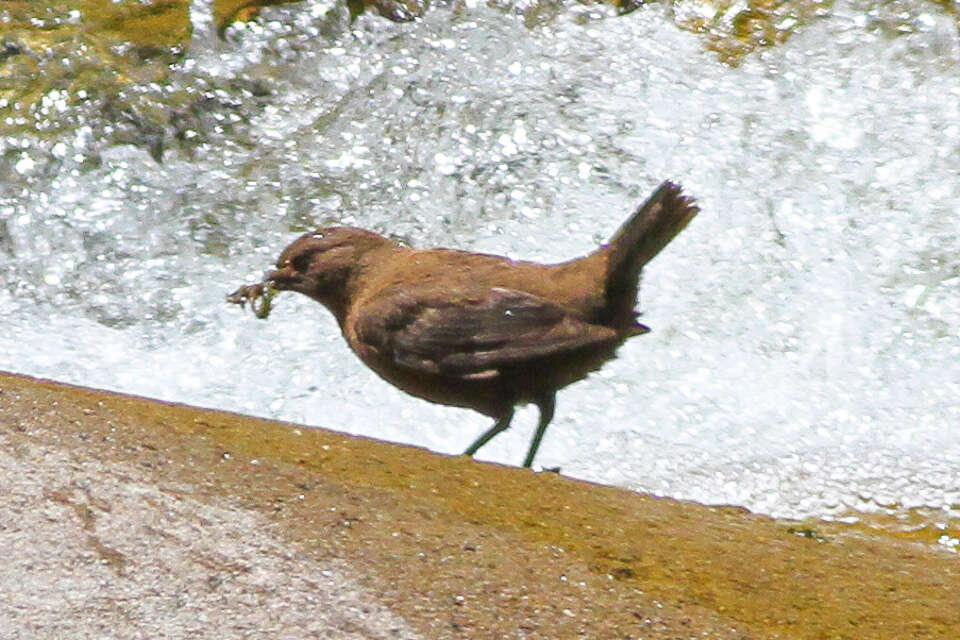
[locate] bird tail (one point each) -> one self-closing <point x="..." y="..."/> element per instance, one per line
<point x="642" y="236"/>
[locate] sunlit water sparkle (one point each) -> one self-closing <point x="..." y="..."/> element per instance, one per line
<point x="805" y="357"/>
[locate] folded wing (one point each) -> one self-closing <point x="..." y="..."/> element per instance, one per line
<point x="472" y="334"/>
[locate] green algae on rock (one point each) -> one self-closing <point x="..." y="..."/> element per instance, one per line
<point x="63" y="53"/>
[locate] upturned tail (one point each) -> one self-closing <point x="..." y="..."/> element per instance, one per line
<point x="642" y="236"/>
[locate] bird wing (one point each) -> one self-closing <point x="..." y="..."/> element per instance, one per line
<point x="472" y="334"/>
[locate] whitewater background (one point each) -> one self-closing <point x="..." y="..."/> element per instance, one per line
<point x="805" y="355"/>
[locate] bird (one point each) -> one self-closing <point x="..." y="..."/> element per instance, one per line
<point x="474" y="330"/>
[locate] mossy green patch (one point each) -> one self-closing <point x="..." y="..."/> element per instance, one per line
<point x="60" y="54"/>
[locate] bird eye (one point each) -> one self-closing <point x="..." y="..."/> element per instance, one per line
<point x="301" y="262"/>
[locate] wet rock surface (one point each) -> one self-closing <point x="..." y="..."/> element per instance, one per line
<point x="123" y="515"/>
<point x="94" y="548"/>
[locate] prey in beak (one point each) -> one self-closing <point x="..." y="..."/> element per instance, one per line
<point x="259" y="296"/>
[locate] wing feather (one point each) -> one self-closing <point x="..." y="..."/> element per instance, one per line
<point x="473" y="334"/>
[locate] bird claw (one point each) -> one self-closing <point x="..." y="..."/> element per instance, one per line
<point x="259" y="296"/>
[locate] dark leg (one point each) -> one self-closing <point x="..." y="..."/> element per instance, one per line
<point x="500" y="425"/>
<point x="546" y="404"/>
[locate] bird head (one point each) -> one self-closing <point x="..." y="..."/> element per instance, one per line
<point x="320" y="264"/>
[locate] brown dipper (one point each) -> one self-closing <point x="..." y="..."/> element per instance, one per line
<point x="475" y="330"/>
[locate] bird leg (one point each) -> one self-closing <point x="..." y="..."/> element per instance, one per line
<point x="500" y="425"/>
<point x="547" y="404"/>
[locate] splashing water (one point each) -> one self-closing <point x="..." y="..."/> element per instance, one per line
<point x="805" y="357"/>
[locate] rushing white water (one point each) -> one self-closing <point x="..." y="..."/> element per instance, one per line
<point x="805" y="357"/>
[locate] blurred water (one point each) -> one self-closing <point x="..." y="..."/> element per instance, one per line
<point x="805" y="357"/>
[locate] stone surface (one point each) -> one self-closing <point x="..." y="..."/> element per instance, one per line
<point x="93" y="549"/>
<point x="123" y="517"/>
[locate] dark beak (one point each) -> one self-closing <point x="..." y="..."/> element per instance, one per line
<point x="283" y="278"/>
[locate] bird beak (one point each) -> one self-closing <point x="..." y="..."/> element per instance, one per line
<point x="282" y="278"/>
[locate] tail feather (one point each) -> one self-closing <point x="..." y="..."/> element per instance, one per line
<point x="642" y="236"/>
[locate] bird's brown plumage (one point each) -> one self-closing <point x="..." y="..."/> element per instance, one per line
<point x="476" y="330"/>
